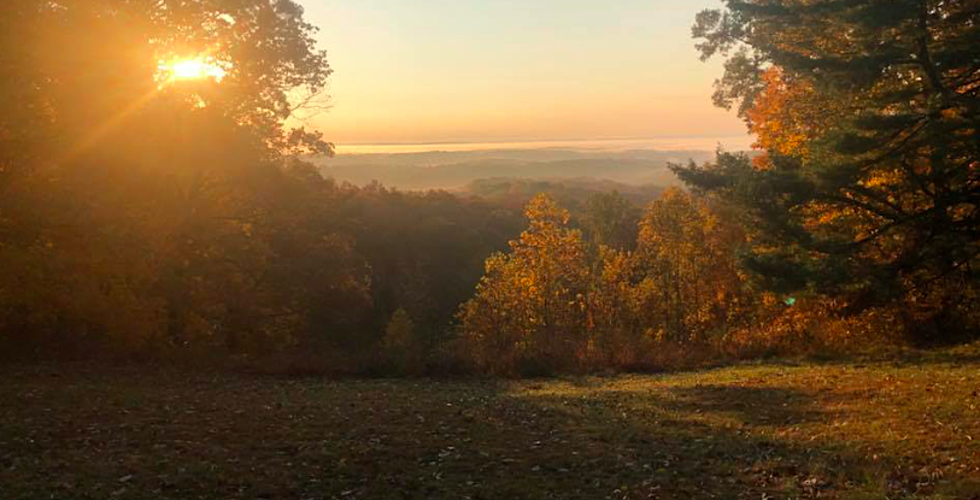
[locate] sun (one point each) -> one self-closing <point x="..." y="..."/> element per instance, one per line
<point x="198" y="68"/>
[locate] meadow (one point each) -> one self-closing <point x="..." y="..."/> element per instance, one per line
<point x="903" y="427"/>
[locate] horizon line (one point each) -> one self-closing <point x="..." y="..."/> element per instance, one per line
<point x="520" y="141"/>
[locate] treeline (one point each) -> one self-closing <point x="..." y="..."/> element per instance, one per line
<point x="289" y="266"/>
<point x="572" y="194"/>
<point x="670" y="288"/>
<point x="558" y="302"/>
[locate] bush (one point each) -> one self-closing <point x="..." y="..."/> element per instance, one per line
<point x="401" y="349"/>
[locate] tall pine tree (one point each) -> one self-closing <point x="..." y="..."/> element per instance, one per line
<point x="868" y="113"/>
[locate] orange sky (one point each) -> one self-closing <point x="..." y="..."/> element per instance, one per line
<point x="433" y="71"/>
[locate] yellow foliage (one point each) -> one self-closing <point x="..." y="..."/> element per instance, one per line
<point x="786" y="116"/>
<point x="530" y="305"/>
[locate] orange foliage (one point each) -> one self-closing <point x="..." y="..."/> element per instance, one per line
<point x="550" y="306"/>
<point x="786" y="116"/>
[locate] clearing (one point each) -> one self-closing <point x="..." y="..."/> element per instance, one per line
<point x="878" y="429"/>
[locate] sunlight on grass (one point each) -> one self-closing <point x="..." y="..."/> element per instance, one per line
<point x="837" y="430"/>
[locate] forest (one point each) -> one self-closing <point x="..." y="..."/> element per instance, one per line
<point x="164" y="213"/>
<point x="123" y="235"/>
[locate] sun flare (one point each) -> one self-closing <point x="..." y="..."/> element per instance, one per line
<point x="191" y="69"/>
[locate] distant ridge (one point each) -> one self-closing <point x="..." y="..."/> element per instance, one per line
<point x="453" y="169"/>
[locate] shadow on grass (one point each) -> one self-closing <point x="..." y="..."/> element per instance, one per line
<point x="749" y="405"/>
<point x="966" y="355"/>
<point x="178" y="435"/>
<point x="720" y="441"/>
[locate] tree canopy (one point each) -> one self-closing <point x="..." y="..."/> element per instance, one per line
<point x="156" y="200"/>
<point x="867" y="112"/>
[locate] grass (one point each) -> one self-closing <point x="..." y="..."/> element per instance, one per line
<point x="908" y="428"/>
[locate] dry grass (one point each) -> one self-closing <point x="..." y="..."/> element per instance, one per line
<point x="886" y="429"/>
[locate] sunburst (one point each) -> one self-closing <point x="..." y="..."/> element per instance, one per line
<point x="197" y="68"/>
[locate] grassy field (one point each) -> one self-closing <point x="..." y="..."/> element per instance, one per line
<point x="895" y="429"/>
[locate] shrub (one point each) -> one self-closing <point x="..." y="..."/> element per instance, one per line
<point x="401" y="348"/>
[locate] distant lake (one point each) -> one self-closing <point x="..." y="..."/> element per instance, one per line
<point x="730" y="143"/>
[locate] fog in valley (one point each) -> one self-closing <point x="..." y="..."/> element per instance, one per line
<point x="455" y="170"/>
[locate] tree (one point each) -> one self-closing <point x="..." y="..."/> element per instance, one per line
<point x="616" y="318"/>
<point x="169" y="212"/>
<point x="868" y="112"/>
<point x="691" y="285"/>
<point x="529" y="311"/>
<point x="401" y="347"/>
<point x="610" y="219"/>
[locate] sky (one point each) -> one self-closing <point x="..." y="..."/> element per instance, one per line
<point x="485" y="71"/>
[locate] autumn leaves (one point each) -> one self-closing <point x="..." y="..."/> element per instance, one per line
<point x="552" y="304"/>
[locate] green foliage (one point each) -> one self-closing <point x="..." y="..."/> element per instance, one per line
<point x="573" y="194"/>
<point x="425" y="252"/>
<point x="401" y="347"/>
<point x="868" y="114"/>
<point x="610" y="219"/>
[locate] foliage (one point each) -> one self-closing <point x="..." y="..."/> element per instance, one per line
<point x="401" y="347"/>
<point x="530" y="306"/>
<point x="150" y="214"/>
<point x="691" y="282"/>
<point x="867" y="114"/>
<point x="147" y="215"/>
<point x="610" y="219"/>
<point x="549" y="304"/>
<point x="574" y="194"/>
